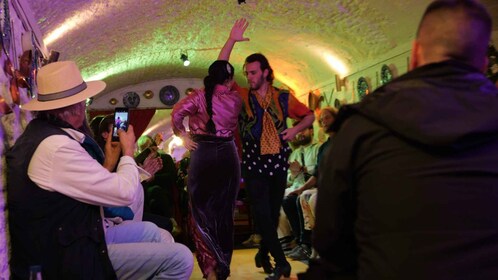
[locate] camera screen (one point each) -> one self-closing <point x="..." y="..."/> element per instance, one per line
<point x="120" y="122"/>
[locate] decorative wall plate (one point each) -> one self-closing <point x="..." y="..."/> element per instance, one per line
<point x="131" y="99"/>
<point x="169" y="95"/>
<point x="386" y="74"/>
<point x="363" y="88"/>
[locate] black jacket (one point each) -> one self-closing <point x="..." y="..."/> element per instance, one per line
<point x="410" y="186"/>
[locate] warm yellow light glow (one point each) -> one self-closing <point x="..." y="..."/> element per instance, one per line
<point x="176" y="149"/>
<point x="333" y="61"/>
<point x="126" y="62"/>
<point x="81" y="17"/>
<point x="175" y="142"/>
<point x="104" y="74"/>
<point x="336" y="64"/>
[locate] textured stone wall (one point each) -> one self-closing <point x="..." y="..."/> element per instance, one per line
<point x="11" y="126"/>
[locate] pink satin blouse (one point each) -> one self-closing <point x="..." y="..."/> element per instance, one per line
<point x="226" y="107"/>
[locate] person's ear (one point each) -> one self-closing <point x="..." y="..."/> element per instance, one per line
<point x="414" y="55"/>
<point x="265" y="74"/>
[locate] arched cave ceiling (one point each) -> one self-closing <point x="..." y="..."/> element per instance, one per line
<point x="127" y="42"/>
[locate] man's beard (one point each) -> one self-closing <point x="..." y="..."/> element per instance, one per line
<point x="302" y="140"/>
<point x="258" y="83"/>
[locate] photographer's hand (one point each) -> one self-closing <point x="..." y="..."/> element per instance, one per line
<point x="112" y="153"/>
<point x="127" y="141"/>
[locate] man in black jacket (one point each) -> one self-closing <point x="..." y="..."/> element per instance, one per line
<point x="410" y="186"/>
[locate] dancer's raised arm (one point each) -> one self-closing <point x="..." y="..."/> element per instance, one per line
<point x="236" y="35"/>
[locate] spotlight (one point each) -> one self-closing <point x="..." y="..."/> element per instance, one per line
<point x="184" y="57"/>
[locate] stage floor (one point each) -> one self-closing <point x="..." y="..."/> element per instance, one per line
<point x="243" y="268"/>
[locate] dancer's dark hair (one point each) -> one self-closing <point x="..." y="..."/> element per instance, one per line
<point x="219" y="72"/>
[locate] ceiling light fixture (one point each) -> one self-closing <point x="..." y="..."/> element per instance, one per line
<point x="185" y="60"/>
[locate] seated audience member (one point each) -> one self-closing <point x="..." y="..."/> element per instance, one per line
<point x="181" y="183"/>
<point x="160" y="191"/>
<point x="162" y="196"/>
<point x="137" y="207"/>
<point x="307" y="193"/>
<point x="94" y="125"/>
<point x="409" y="188"/>
<point x="104" y="129"/>
<point x="302" y="163"/>
<point x="151" y="164"/>
<point x="159" y="140"/>
<point x="284" y="230"/>
<point x="55" y="191"/>
<point x="132" y="221"/>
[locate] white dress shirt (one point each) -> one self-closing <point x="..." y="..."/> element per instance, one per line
<point x="309" y="153"/>
<point x="61" y="164"/>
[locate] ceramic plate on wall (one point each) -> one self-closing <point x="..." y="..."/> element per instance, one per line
<point x="131" y="99"/>
<point x="169" y="95"/>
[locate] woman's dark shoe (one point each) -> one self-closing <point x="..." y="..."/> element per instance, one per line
<point x="280" y="271"/>
<point x="263" y="261"/>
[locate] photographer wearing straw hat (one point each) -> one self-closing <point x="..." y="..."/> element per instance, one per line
<point x="55" y="191"/>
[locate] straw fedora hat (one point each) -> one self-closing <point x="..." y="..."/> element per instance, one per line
<point x="59" y="85"/>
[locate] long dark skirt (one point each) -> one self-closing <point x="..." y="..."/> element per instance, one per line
<point x="213" y="184"/>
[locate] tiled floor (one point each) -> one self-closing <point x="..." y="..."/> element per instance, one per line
<point x="243" y="267"/>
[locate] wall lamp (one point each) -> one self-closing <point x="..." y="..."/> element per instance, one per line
<point x="185" y="60"/>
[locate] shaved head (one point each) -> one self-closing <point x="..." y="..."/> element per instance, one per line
<point x="455" y="29"/>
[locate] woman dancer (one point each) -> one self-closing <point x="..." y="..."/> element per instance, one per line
<point x="214" y="171"/>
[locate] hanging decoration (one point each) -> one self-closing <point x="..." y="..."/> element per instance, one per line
<point x="314" y="100"/>
<point x="328" y="101"/>
<point x="8" y="66"/>
<point x="35" y="65"/>
<point x="386" y="75"/>
<point x="6" y="30"/>
<point x="363" y="88"/>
